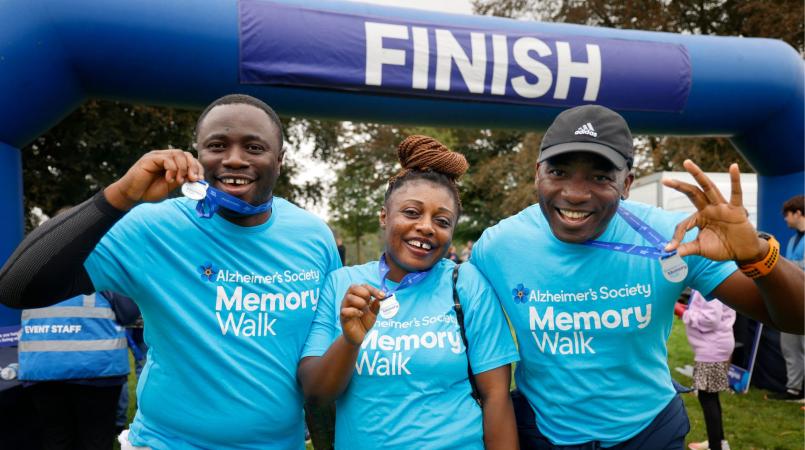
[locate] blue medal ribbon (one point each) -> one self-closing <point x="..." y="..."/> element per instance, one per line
<point x="407" y="281"/>
<point x="642" y="228"/>
<point x="216" y="199"/>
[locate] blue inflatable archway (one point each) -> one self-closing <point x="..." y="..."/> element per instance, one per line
<point x="354" y="61"/>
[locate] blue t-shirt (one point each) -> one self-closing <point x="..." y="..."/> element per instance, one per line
<point x="227" y="310"/>
<point x="410" y="387"/>
<point x="795" y="250"/>
<point x="591" y="323"/>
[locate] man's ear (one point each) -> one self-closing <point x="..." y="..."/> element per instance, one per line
<point x="627" y="184"/>
<point x="382" y="218"/>
<point x="536" y="173"/>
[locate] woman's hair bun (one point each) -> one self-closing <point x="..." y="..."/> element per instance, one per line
<point x="424" y="153"/>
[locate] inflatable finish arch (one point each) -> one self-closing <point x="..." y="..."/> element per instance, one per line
<point x="363" y="62"/>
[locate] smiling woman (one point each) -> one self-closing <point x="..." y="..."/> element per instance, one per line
<point x="392" y="350"/>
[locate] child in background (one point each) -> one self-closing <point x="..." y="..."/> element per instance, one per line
<point x="709" y="328"/>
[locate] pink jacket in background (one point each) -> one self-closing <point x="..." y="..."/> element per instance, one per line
<point x="709" y="329"/>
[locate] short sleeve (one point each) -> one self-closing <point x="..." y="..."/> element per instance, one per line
<point x="489" y="338"/>
<point x="478" y="254"/>
<point x="706" y="275"/>
<point x="112" y="263"/>
<point x="324" y="329"/>
<point x="334" y="259"/>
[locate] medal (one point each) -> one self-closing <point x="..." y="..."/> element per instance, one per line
<point x="210" y="200"/>
<point x="674" y="269"/>
<point x="195" y="190"/>
<point x="389" y="307"/>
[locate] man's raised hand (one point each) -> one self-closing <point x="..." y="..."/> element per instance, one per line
<point x="153" y="177"/>
<point x="725" y="232"/>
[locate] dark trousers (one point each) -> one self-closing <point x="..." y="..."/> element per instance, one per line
<point x="666" y="432"/>
<point x="320" y="420"/>
<point x="75" y="416"/>
<point x="711" y="407"/>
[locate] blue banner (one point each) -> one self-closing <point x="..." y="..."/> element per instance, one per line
<point x="295" y="46"/>
<point x="9" y="336"/>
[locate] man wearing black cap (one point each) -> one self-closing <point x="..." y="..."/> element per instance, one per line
<point x="589" y="281"/>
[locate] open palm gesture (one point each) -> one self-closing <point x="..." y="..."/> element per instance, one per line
<point x="725" y="232"/>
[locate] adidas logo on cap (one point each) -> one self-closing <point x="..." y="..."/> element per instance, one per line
<point x="587" y="129"/>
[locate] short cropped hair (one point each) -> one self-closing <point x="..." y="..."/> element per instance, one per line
<point x="237" y="99"/>
<point x="794" y="204"/>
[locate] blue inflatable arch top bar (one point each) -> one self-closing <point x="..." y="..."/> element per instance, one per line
<point x="56" y="54"/>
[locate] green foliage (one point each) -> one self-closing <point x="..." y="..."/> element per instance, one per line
<point x="94" y="146"/>
<point x="364" y="169"/>
<point x="779" y="19"/>
<point x="99" y="141"/>
<point x="776" y="19"/>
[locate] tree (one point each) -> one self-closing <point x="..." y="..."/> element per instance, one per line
<point x="365" y="166"/>
<point x="97" y="143"/>
<point x="779" y="19"/>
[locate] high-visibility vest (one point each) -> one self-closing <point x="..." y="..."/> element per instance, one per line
<point x="75" y="339"/>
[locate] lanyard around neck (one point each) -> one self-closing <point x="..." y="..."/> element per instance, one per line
<point x="210" y="200"/>
<point x="408" y="280"/>
<point x="657" y="250"/>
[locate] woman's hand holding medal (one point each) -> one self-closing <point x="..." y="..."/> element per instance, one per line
<point x="359" y="312"/>
<point x="725" y="232"/>
<point x="153" y="177"/>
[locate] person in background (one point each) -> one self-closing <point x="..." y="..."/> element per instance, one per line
<point x="466" y="252"/>
<point x="73" y="361"/>
<point x="452" y="255"/>
<point x="418" y="392"/>
<point x="139" y="349"/>
<point x="708" y="325"/>
<point x="792" y="346"/>
<point x="342" y="250"/>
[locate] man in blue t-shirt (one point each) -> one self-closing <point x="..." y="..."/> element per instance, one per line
<point x="589" y="281"/>
<point x="793" y="345"/>
<point x="227" y="282"/>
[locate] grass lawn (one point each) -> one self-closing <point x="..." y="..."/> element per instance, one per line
<point x="750" y="421"/>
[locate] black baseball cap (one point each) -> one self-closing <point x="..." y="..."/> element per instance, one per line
<point x="589" y="128"/>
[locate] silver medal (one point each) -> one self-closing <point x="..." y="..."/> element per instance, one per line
<point x="674" y="269"/>
<point x="195" y="190"/>
<point x="389" y="307"/>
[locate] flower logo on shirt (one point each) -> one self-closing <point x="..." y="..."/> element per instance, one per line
<point x="520" y="293"/>
<point x="207" y="271"/>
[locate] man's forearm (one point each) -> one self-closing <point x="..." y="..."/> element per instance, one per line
<point x="48" y="265"/>
<point x="783" y="291"/>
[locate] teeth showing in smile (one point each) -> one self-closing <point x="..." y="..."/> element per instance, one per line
<point x="236" y="181"/>
<point x="576" y="215"/>
<point x="419" y="244"/>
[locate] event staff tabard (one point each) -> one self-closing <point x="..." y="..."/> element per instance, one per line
<point x="410" y="377"/>
<point x="227" y="310"/>
<point x="591" y="322"/>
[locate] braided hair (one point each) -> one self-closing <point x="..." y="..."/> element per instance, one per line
<point x="425" y="158"/>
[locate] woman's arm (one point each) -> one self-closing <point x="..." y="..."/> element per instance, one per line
<point x="500" y="428"/>
<point x="324" y="378"/>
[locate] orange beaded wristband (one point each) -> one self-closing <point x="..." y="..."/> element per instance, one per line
<point x="764" y="266"/>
